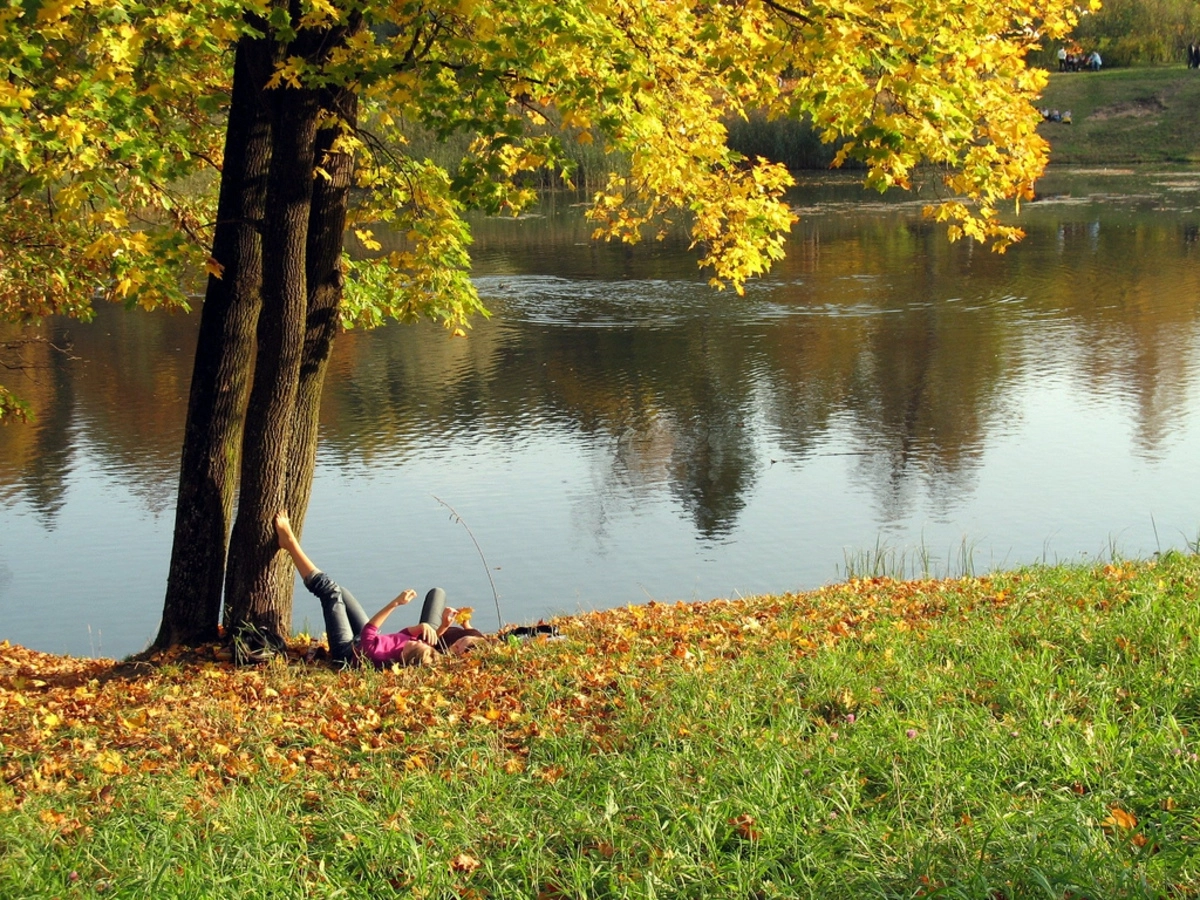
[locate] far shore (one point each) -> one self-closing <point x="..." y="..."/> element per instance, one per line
<point x="1124" y="116"/>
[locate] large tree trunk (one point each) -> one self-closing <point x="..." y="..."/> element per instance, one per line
<point x="326" y="232"/>
<point x="252" y="587"/>
<point x="326" y="240"/>
<point x="223" y="363"/>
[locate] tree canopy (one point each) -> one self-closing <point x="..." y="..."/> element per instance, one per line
<point x="121" y="119"/>
<point x="112" y="114"/>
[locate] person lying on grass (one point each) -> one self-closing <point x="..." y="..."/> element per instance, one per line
<point x="352" y="634"/>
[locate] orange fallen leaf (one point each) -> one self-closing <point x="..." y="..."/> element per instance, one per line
<point x="745" y="827"/>
<point x="51" y="817"/>
<point x="464" y="863"/>
<point x="603" y="848"/>
<point x="1120" y="818"/>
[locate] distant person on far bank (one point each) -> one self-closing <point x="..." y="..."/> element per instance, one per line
<point x="1094" y="62"/>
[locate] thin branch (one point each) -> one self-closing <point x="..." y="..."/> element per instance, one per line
<point x="14" y="346"/>
<point x="457" y="518"/>
<point x="204" y="157"/>
<point x="787" y="11"/>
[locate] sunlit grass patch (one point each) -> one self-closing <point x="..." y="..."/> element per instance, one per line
<point x="1124" y="116"/>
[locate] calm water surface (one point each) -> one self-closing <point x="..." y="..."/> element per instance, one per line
<point x="618" y="432"/>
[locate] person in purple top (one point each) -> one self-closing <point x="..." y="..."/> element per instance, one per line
<point x="351" y="634"/>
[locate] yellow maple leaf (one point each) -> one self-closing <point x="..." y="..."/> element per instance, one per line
<point x="110" y="762"/>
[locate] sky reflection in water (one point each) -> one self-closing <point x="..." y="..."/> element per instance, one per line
<point x="618" y="432"/>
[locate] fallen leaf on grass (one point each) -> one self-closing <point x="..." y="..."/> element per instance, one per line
<point x="603" y="848"/>
<point x="110" y="763"/>
<point x="1123" y="822"/>
<point x="1119" y="818"/>
<point x="464" y="863"/>
<point x="745" y="827"/>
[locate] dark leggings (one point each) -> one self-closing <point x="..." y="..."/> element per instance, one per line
<point x="345" y="619"/>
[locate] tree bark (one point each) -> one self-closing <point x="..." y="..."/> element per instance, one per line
<point x="252" y="587"/>
<point x="326" y="240"/>
<point x="224" y="360"/>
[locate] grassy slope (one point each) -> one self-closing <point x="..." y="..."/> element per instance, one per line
<point x="1033" y="734"/>
<point x="1125" y="116"/>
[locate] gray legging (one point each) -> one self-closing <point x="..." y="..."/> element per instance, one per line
<point x="345" y="619"/>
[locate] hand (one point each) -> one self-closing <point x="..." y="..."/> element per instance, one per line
<point x="405" y="597"/>
<point x="448" y="615"/>
<point x="283" y="528"/>
<point x="428" y="635"/>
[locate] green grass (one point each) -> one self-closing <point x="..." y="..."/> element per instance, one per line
<point x="1125" y="116"/>
<point x="966" y="738"/>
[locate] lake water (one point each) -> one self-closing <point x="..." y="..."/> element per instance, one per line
<point x="618" y="432"/>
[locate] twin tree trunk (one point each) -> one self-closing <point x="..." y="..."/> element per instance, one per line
<point x="252" y="584"/>
<point x="279" y="239"/>
<point x="224" y="361"/>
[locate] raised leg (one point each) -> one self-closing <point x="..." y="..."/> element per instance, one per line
<point x="431" y="612"/>
<point x="337" y="605"/>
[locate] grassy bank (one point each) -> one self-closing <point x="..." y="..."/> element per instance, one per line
<point x="1120" y="116"/>
<point x="1032" y="734"/>
<point x="1125" y="116"/>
